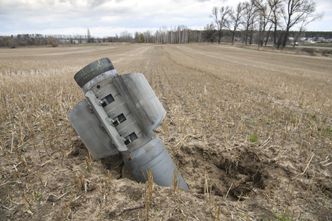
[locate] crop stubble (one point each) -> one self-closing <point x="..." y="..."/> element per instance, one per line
<point x="251" y="132"/>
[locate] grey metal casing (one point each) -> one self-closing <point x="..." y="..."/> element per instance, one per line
<point x="154" y="157"/>
<point x="141" y="99"/>
<point x="125" y="112"/>
<point x="94" y="137"/>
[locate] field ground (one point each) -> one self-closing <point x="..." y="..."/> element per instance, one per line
<point x="251" y="132"/>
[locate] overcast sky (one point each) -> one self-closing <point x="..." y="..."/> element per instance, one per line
<point x="110" y="17"/>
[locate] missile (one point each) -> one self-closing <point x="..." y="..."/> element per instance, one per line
<point x="119" y="116"/>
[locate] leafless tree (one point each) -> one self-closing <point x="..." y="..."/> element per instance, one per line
<point x="125" y="36"/>
<point x="182" y="33"/>
<point x="276" y="9"/>
<point x="148" y="37"/>
<point x="221" y="17"/>
<point x="264" y="13"/>
<point x="249" y="19"/>
<point x="296" y="12"/>
<point x="88" y="36"/>
<point x="303" y="24"/>
<point x="237" y="18"/>
<point x="52" y="41"/>
<point x="208" y="33"/>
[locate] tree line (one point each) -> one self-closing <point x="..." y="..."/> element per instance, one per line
<point x="252" y="21"/>
<point x="260" y="22"/>
<point x="20" y="40"/>
<point x="264" y="19"/>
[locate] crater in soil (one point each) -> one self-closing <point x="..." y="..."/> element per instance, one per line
<point x="236" y="175"/>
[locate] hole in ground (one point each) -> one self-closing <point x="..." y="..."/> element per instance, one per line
<point x="235" y="174"/>
<point x="245" y="174"/>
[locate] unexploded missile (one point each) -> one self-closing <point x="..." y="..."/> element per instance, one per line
<point x="118" y="116"/>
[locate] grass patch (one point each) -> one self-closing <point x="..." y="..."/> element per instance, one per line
<point x="327" y="131"/>
<point x="253" y="138"/>
<point x="283" y="217"/>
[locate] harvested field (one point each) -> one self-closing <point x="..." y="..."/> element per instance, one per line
<point x="251" y="132"/>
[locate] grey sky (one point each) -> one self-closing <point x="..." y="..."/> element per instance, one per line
<point x="109" y="17"/>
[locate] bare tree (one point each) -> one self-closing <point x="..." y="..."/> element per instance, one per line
<point x="237" y="18"/>
<point x="208" y="33"/>
<point x="221" y="19"/>
<point x="182" y="32"/>
<point x="52" y="41"/>
<point x="125" y="36"/>
<point x="264" y="13"/>
<point x="297" y="12"/>
<point x="88" y="36"/>
<point x="303" y="24"/>
<point x="249" y="19"/>
<point x="275" y="7"/>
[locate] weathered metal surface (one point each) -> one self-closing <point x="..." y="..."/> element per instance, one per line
<point x="154" y="157"/>
<point x="127" y="109"/>
<point x="87" y="126"/>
